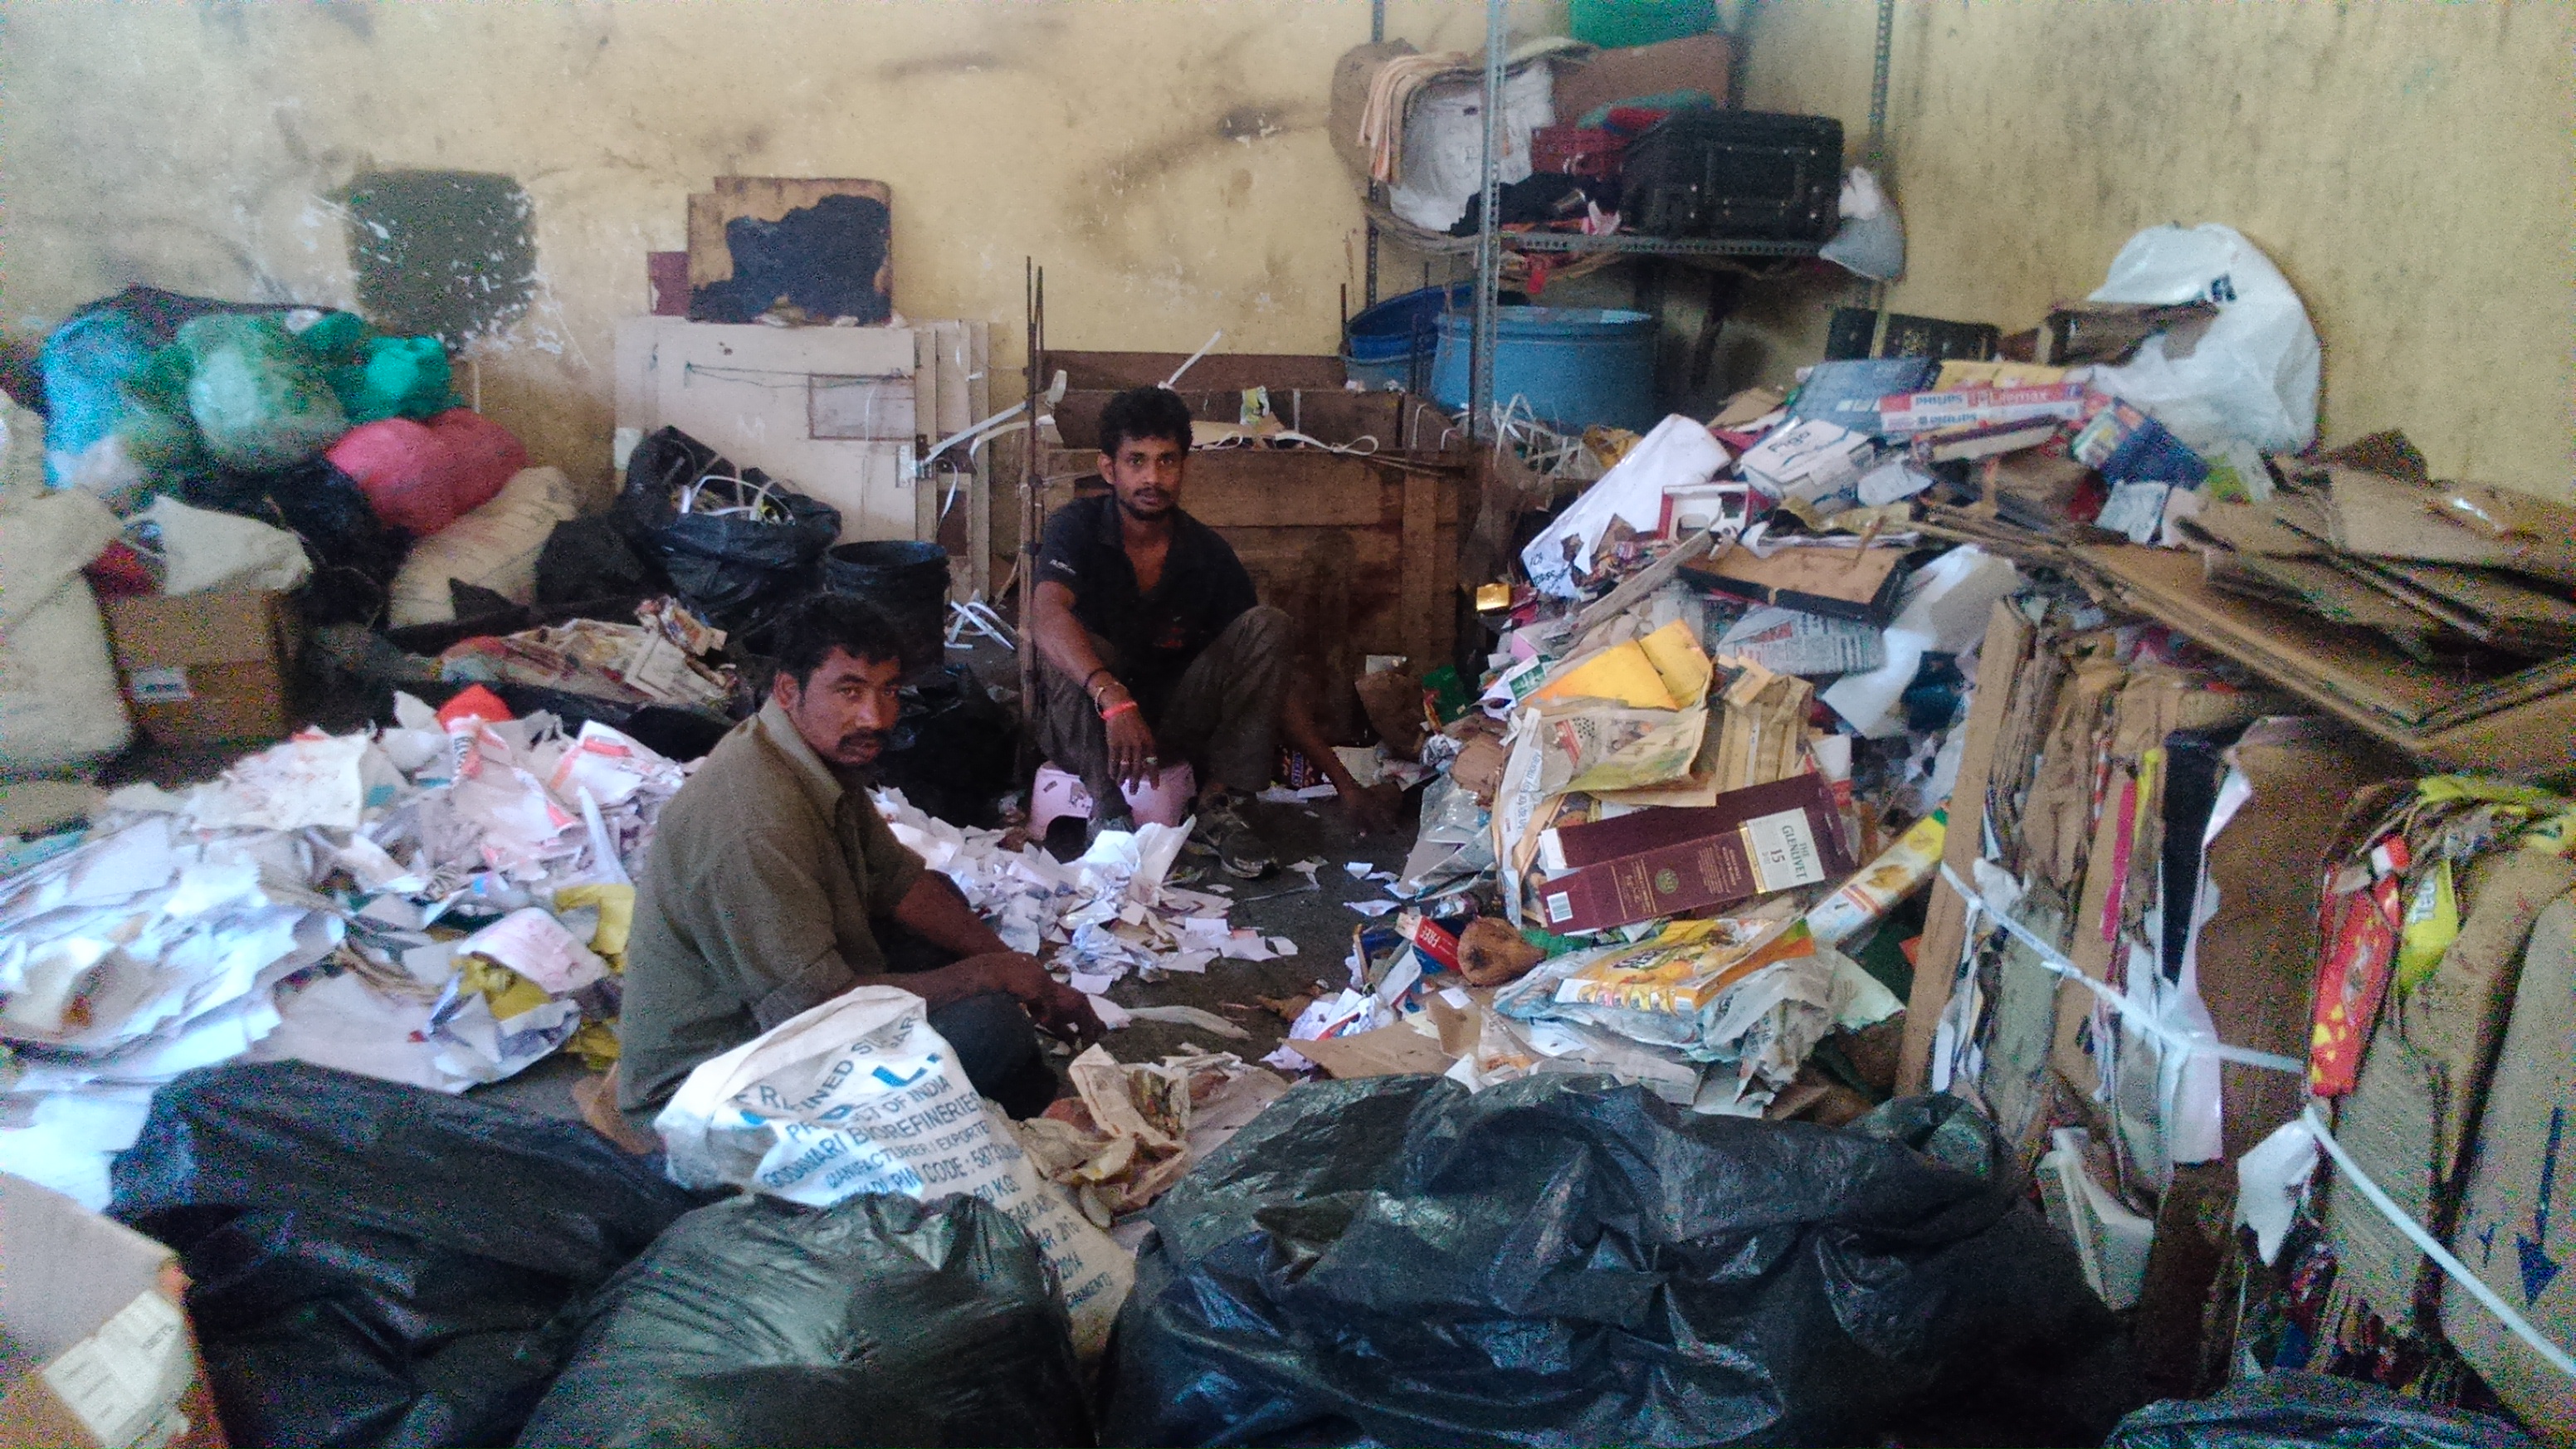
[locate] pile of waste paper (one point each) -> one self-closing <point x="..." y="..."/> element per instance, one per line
<point x="441" y="902"/>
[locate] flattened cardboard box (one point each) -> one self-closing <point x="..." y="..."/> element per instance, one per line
<point x="2517" y="1227"/>
<point x="201" y="669"/>
<point x="95" y="1349"/>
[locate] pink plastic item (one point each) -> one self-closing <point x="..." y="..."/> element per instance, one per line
<point x="422" y="477"/>
<point x="1166" y="801"/>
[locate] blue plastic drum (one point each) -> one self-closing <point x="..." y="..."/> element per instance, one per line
<point x="1576" y="366"/>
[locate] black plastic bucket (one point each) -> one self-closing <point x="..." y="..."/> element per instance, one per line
<point x="908" y="580"/>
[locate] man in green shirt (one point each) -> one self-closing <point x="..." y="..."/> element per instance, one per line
<point x="772" y="885"/>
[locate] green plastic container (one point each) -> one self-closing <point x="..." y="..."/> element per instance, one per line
<point x="1611" y="24"/>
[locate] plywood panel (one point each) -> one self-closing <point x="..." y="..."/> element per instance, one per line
<point x="744" y="392"/>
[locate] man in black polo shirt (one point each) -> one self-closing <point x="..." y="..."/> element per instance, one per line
<point x="1155" y="649"/>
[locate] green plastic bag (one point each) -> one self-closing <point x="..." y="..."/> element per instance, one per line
<point x="260" y="399"/>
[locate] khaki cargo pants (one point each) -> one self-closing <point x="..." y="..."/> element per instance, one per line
<point x="1222" y="715"/>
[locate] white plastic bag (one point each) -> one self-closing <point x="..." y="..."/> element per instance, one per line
<point x="494" y="547"/>
<point x="860" y="1095"/>
<point x="1444" y="143"/>
<point x="1678" y="453"/>
<point x="59" y="704"/>
<point x="22" y="452"/>
<point x="2253" y="373"/>
<point x="1945" y="611"/>
<point x="1871" y="240"/>
<point x="203" y="549"/>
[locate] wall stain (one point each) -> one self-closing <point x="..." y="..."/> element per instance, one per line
<point x="355" y="16"/>
<point x="1249" y="123"/>
<point x="948" y="63"/>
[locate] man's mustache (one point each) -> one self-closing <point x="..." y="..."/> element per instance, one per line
<point x="877" y="738"/>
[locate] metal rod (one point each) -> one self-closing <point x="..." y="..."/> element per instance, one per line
<point x="1376" y="193"/>
<point x="1024" y="569"/>
<point x="1877" y="152"/>
<point x="1489" y="250"/>
<point x="1878" y="85"/>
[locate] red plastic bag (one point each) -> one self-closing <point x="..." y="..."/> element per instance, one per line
<point x="424" y="476"/>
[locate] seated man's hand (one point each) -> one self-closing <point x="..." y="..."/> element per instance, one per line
<point x="1372" y="807"/>
<point x="1131" y="749"/>
<point x="1058" y="1009"/>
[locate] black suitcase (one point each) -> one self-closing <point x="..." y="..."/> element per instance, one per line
<point x="1737" y="175"/>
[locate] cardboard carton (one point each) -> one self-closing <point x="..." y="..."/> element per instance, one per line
<point x="2516" y="1230"/>
<point x="1605" y="840"/>
<point x="95" y="1347"/>
<point x="1751" y="842"/>
<point x="201" y="669"/>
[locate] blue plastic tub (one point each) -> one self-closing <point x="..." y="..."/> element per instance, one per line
<point x="1383" y="339"/>
<point x="1576" y="366"/>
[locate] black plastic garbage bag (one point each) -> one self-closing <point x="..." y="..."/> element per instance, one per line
<point x="738" y="565"/>
<point x="1941" y="1127"/>
<point x="875" y="1321"/>
<point x="355" y="554"/>
<point x="588" y="559"/>
<point x="953" y="751"/>
<point x="1560" y="1260"/>
<point x="372" y="1263"/>
<point x="2294" y="1409"/>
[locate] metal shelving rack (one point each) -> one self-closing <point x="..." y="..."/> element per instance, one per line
<point x="1489" y="241"/>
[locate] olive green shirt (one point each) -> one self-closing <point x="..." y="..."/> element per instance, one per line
<point x="759" y="895"/>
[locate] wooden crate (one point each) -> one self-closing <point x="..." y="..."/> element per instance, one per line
<point x="1361" y="550"/>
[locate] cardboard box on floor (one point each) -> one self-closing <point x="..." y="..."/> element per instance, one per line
<point x="2516" y="1231"/>
<point x="203" y="669"/>
<point x="95" y="1347"/>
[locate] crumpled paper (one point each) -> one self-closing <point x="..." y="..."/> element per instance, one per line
<point x="1136" y="1128"/>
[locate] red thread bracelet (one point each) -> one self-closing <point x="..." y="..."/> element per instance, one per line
<point x="1115" y="710"/>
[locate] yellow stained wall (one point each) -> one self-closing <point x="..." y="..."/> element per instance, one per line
<point x="2410" y="166"/>
<point x="1166" y="162"/>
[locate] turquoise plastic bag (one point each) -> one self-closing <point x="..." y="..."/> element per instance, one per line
<point x="402" y="377"/>
<point x="116" y="425"/>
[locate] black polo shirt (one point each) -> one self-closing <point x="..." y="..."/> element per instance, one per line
<point x="1156" y="635"/>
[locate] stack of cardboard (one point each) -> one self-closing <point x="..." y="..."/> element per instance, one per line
<point x="2438" y="616"/>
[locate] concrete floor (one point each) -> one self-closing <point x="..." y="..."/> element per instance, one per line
<point x="1317" y="921"/>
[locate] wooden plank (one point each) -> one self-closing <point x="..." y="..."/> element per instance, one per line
<point x="1215" y="372"/>
<point x="1936" y="959"/>
<point x="979" y="503"/>
<point x="1421" y="599"/>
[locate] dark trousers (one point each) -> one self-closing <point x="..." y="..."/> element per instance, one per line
<point x="1222" y="715"/>
<point x="994" y="1039"/>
